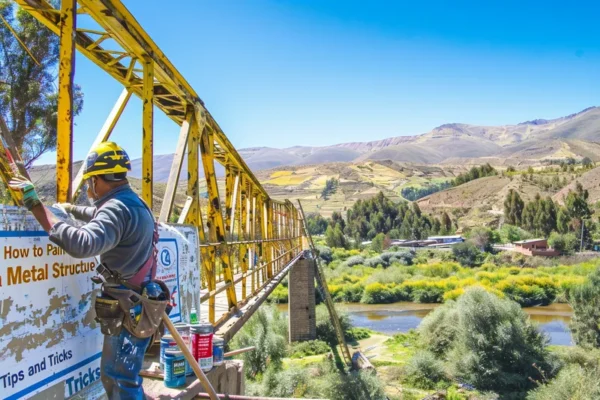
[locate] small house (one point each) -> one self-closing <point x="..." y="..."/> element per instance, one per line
<point x="535" y="247"/>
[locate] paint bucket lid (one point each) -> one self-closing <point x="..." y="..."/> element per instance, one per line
<point x="167" y="338"/>
<point x="218" y="341"/>
<point x="174" y="353"/>
<point x="202" y="328"/>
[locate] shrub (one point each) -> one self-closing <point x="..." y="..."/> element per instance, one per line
<point x="401" y="257"/>
<point x="377" y="243"/>
<point x="375" y="262"/>
<point x="290" y="382"/>
<point x="354" y="260"/>
<point x="357" y="385"/>
<point x="309" y="348"/>
<point x="377" y="293"/>
<point x="424" y="371"/>
<point x="325" y="253"/>
<point x="325" y="329"/>
<point x="572" y="383"/>
<point x="495" y="346"/>
<point x="428" y="294"/>
<point x="467" y="254"/>
<point x="510" y="233"/>
<point x="266" y="332"/>
<point x="438" y="329"/>
<point x="279" y="295"/>
<point x="585" y="301"/>
<point x="349" y="293"/>
<point x="566" y="243"/>
<point x="355" y="334"/>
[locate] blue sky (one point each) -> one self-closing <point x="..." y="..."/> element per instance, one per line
<point x="310" y="72"/>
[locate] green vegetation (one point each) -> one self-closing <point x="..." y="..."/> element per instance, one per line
<point x="474" y="173"/>
<point x="572" y="383"/>
<point x="430" y="276"/>
<point x="271" y="373"/>
<point x="316" y="224"/>
<point x="479" y="338"/>
<point x="413" y="193"/>
<point x="368" y="218"/>
<point x="330" y="188"/>
<point x="29" y="107"/>
<point x="544" y="217"/>
<point x="585" y="300"/>
<point x="492" y="345"/>
<point x="467" y="254"/>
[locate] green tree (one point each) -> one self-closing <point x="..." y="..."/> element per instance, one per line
<point x="545" y="219"/>
<point x="377" y="243"/>
<point x="316" y="224"/>
<point x="493" y="346"/>
<point x="446" y="224"/>
<point x="28" y="92"/>
<point x="513" y="207"/>
<point x="335" y="237"/>
<point x="565" y="243"/>
<point x="587" y="163"/>
<point x="563" y="220"/>
<point x="576" y="202"/>
<point x="330" y="188"/>
<point x="467" y="254"/>
<point x="267" y="331"/>
<point x="482" y="238"/>
<point x="585" y="301"/>
<point x="511" y="233"/>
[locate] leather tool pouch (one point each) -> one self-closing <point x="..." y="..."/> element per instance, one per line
<point x="147" y="322"/>
<point x="109" y="315"/>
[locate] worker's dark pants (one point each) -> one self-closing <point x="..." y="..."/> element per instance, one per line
<point x="122" y="358"/>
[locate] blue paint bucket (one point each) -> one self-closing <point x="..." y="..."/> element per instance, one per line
<point x="218" y="350"/>
<point x="166" y="342"/>
<point x="174" y="368"/>
<point x="184" y="331"/>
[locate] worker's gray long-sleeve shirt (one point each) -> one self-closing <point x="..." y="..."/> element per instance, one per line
<point x="119" y="229"/>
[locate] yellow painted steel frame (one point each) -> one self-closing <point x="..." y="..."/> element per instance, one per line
<point x="246" y="235"/>
<point x="64" y="139"/>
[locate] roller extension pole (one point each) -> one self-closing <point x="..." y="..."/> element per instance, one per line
<point x="190" y="358"/>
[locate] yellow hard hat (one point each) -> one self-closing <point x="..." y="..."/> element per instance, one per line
<point x="107" y="159"/>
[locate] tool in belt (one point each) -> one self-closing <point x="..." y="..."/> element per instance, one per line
<point x="119" y="296"/>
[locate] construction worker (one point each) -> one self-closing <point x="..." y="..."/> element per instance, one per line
<point x="120" y="228"/>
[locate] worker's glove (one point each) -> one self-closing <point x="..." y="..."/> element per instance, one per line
<point x="68" y="207"/>
<point x="30" y="196"/>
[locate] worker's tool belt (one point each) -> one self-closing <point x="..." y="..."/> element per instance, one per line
<point x="113" y="310"/>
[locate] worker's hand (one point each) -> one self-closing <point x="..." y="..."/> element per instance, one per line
<point x="30" y="196"/>
<point x="68" y="207"/>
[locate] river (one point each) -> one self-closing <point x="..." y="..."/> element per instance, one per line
<point x="400" y="317"/>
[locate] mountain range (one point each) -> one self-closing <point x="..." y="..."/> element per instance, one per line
<point x="531" y="142"/>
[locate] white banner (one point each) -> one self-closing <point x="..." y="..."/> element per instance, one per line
<point x="48" y="335"/>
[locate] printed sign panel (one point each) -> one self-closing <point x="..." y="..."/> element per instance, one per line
<point x="48" y="335"/>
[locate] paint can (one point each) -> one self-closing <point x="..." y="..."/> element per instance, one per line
<point x="202" y="345"/>
<point x="218" y="350"/>
<point x="174" y="368"/>
<point x="184" y="331"/>
<point x="166" y="342"/>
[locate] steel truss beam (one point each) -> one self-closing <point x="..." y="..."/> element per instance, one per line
<point x="244" y="233"/>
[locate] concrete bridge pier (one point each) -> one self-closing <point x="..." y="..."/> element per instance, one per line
<point x="301" y="301"/>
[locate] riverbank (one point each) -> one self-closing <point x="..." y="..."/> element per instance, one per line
<point x="391" y="319"/>
<point x="435" y="281"/>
